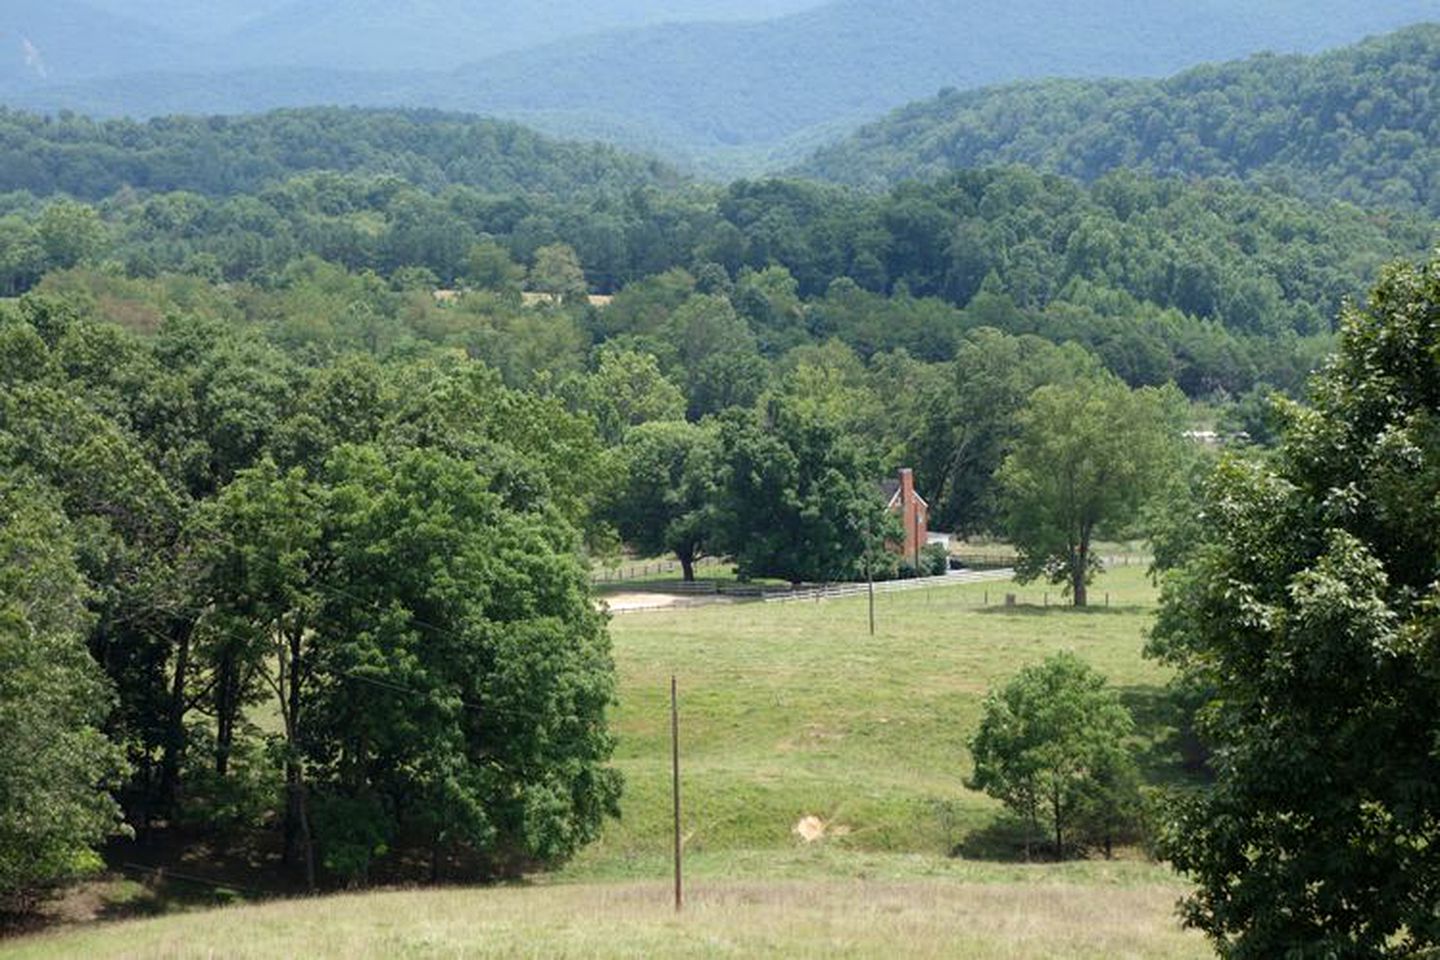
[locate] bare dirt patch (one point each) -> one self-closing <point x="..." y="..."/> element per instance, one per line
<point x="623" y="602"/>
<point x="637" y="600"/>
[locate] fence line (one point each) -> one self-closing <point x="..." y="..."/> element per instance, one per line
<point x="973" y="562"/>
<point x="838" y="591"/>
<point x="638" y="570"/>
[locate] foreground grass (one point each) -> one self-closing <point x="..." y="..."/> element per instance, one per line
<point x="734" y="919"/>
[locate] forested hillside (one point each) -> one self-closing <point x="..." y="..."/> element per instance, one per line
<point x="1360" y="124"/>
<point x="737" y="90"/>
<point x="222" y="156"/>
<point x="1206" y="283"/>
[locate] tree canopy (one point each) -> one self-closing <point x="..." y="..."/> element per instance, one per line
<point x="56" y="764"/>
<point x="1087" y="456"/>
<point x="1351" y="124"/>
<point x="1305" y="620"/>
<point x="1051" y="746"/>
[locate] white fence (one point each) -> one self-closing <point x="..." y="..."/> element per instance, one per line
<point x="838" y="591"/>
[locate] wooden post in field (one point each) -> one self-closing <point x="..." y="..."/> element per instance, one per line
<point x="675" y="774"/>
<point x="870" y="589"/>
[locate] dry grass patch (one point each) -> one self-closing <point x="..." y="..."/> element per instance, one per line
<point x="835" y="919"/>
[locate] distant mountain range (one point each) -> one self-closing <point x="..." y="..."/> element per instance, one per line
<point x="1358" y="123"/>
<point x="757" y="92"/>
<point x="129" y="36"/>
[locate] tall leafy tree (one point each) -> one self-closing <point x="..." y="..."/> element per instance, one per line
<point x="964" y="423"/>
<point x="1306" y="616"/>
<point x="557" y="272"/>
<point x="666" y="499"/>
<point x="1087" y="458"/>
<point x="797" y="499"/>
<point x="467" y="673"/>
<point x="56" y="765"/>
<point x="265" y="571"/>
<point x="626" y="390"/>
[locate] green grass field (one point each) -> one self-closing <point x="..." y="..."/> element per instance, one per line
<point x="788" y="711"/>
<point x="793" y="710"/>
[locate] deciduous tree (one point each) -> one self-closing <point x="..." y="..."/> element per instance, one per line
<point x="1306" y="617"/>
<point x="56" y="766"/>
<point x="1087" y="457"/>
<point x="666" y="500"/>
<point x="1051" y="747"/>
<point x="797" y="499"/>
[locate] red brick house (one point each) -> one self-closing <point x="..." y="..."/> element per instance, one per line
<point x="914" y="513"/>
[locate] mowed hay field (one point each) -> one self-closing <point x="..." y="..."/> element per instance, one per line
<point x="788" y="712"/>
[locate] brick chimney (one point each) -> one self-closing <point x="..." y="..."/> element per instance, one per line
<point x="909" y="516"/>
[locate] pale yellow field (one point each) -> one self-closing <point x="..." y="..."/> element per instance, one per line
<point x="731" y="919"/>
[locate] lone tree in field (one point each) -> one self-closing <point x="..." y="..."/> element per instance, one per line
<point x="1308" y="611"/>
<point x="1088" y="456"/>
<point x="1051" y="747"/>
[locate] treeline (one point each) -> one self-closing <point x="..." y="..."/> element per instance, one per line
<point x="677" y="347"/>
<point x="334" y="603"/>
<point x="1212" y="285"/>
<point x="224" y="156"/>
<point x="1357" y="124"/>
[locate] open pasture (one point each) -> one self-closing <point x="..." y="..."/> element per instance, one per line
<point x="825" y="806"/>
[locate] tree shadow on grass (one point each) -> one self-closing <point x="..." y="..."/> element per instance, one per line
<point x="160" y="895"/>
<point x="1004" y="841"/>
<point x="1060" y="609"/>
<point x="1168" y="752"/>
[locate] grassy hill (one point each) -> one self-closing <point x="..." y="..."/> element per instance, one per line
<point x="793" y="711"/>
<point x="788" y="711"/>
<point x="1357" y="124"/>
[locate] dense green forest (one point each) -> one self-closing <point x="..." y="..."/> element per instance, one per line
<point x="1359" y="124"/>
<point x="89" y="159"/>
<point x="1212" y="285"/>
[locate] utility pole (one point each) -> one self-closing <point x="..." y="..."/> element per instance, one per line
<point x="675" y="774"/>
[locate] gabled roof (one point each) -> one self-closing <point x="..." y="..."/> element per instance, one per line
<point x="890" y="490"/>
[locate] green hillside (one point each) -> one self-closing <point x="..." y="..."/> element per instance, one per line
<point x="1357" y="124"/>
<point x="225" y="156"/>
<point x="744" y="89"/>
<point x="792" y="710"/>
